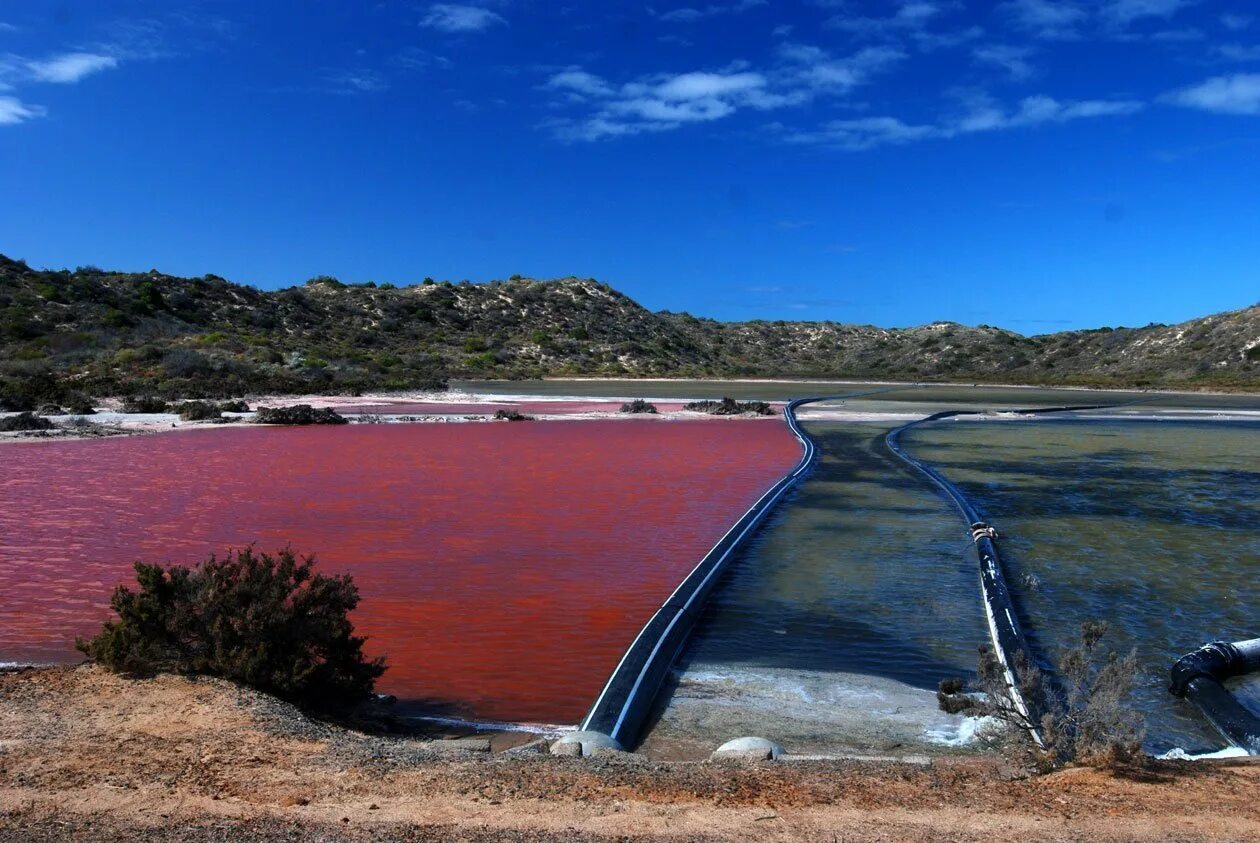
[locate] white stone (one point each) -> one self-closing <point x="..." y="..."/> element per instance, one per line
<point x="587" y="742"/>
<point x="749" y="746"/>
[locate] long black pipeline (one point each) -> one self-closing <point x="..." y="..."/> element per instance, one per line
<point x="1200" y="676"/>
<point x="1010" y="645"/>
<point x="623" y="706"/>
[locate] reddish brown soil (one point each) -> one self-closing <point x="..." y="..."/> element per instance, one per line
<point x="85" y="755"/>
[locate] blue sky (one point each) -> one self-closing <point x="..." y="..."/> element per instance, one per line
<point x="1035" y="164"/>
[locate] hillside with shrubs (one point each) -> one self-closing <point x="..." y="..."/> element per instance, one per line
<point x="65" y="334"/>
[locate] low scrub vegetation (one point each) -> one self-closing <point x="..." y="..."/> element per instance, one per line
<point x="638" y="405"/>
<point x="209" y="410"/>
<point x="1086" y="716"/>
<point x="511" y="415"/>
<point x="299" y="414"/>
<point x="730" y="407"/>
<point x="27" y="390"/>
<point x="115" y="333"/>
<point x="266" y="621"/>
<point x="144" y="404"/>
<point x="24" y="422"/>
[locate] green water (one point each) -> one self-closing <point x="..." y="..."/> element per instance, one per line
<point x="862" y="573"/>
<point x="1152" y="526"/>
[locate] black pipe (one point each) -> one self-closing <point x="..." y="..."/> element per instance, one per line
<point x="1010" y="645"/>
<point x="1199" y="677"/>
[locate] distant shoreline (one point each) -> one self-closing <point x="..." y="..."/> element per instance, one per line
<point x="857" y="382"/>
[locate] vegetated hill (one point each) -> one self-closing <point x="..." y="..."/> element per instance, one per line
<point x="103" y="333"/>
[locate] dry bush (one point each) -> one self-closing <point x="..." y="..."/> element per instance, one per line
<point x="1083" y="716"/>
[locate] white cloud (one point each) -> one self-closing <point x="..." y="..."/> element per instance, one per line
<point x="1237" y="94"/>
<point x="579" y="82"/>
<point x="1014" y="60"/>
<point x="655" y="104"/>
<point x="910" y="15"/>
<point x="1063" y="20"/>
<point x="1124" y="12"/>
<point x="360" y="81"/>
<point x="450" y="17"/>
<point x="7" y="27"/>
<point x="1046" y="19"/>
<point x="816" y="70"/>
<point x="689" y="86"/>
<point x="1238" y="52"/>
<point x="690" y="14"/>
<point x="677" y="112"/>
<point x="911" y="20"/>
<point x="1236" y="22"/>
<point x="864" y="133"/>
<point x="669" y="101"/>
<point x="981" y="115"/>
<point x="599" y="128"/>
<point x="14" y="111"/>
<point x="415" y="58"/>
<point x="70" y="67"/>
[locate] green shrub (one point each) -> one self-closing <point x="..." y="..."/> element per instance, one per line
<point x="299" y="414"/>
<point x="198" y="410"/>
<point x="80" y="405"/>
<point x="638" y="405"/>
<point x="31" y="390"/>
<point x="24" y="421"/>
<point x="266" y="621"/>
<point x="144" y="404"/>
<point x="730" y="407"/>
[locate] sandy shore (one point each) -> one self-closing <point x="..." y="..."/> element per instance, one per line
<point x="85" y="755"/>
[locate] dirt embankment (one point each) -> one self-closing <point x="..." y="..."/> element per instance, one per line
<point x="85" y="755"/>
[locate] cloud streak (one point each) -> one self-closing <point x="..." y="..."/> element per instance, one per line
<point x="691" y="14"/>
<point x="1014" y="60"/>
<point x="1069" y="20"/>
<point x="454" y="18"/>
<point x="14" y="111"/>
<point x="69" y="68"/>
<point x="1236" y="94"/>
<point x="1050" y="20"/>
<point x="983" y="115"/>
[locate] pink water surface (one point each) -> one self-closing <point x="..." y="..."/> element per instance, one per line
<point x="504" y="568"/>
<point x="417" y="408"/>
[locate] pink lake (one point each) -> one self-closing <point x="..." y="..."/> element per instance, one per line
<point x="504" y="568"/>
